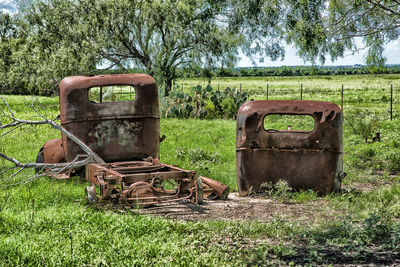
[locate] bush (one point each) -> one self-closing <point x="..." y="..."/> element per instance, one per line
<point x="393" y="162"/>
<point x="203" y="103"/>
<point x="363" y="123"/>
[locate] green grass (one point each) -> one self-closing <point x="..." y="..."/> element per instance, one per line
<point x="47" y="222"/>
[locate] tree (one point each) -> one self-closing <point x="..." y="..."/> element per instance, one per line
<point x="376" y="21"/>
<point x="57" y="38"/>
<point x="8" y="33"/>
<point x="319" y="28"/>
<point x="160" y="36"/>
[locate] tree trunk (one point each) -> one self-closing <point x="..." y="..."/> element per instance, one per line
<point x="168" y="86"/>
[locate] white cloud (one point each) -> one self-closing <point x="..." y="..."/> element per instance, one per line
<point x="392" y="52"/>
<point x="8" y="6"/>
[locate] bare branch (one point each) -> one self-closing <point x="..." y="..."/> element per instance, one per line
<point x="52" y="169"/>
<point x="84" y="147"/>
<point x="18" y="122"/>
<point x="379" y="5"/>
<point x="49" y="169"/>
<point x="8" y="106"/>
<point x="16" y="162"/>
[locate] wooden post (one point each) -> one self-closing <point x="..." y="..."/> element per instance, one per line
<point x="267" y="91"/>
<point x="301" y="92"/>
<point x="101" y="94"/>
<point x="391" y="102"/>
<point x="218" y="86"/>
<point x="240" y="88"/>
<point x="342" y="97"/>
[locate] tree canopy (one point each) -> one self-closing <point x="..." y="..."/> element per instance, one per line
<point x="50" y="39"/>
<point x="319" y="28"/>
<point x="159" y="36"/>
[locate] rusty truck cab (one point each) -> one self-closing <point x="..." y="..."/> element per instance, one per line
<point x="116" y="131"/>
<point x="304" y="159"/>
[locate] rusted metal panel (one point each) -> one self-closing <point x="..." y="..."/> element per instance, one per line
<point x="53" y="151"/>
<point x="116" y="131"/>
<point x="306" y="160"/>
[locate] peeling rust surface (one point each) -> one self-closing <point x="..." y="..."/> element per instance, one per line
<point x="126" y="135"/>
<point x="142" y="182"/>
<point x="306" y="160"/>
<point x="116" y="131"/>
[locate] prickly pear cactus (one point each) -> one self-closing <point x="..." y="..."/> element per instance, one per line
<point x="202" y="102"/>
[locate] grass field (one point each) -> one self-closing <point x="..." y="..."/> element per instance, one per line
<point x="47" y="222"/>
<point x="350" y="82"/>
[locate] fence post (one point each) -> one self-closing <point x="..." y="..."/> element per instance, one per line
<point x="301" y="92"/>
<point x="342" y="98"/>
<point x="101" y="94"/>
<point x="218" y="86"/>
<point x="267" y="91"/>
<point x="240" y="88"/>
<point x="391" y="101"/>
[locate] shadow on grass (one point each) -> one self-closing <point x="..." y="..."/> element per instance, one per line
<point x="373" y="241"/>
<point x="342" y="255"/>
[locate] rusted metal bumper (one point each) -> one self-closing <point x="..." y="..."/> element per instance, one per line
<point x="144" y="183"/>
<point x="214" y="189"/>
<point x="305" y="160"/>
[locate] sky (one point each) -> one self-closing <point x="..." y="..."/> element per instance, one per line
<point x="392" y="53"/>
<point x="7" y="6"/>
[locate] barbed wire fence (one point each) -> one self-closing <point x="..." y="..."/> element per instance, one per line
<point x="377" y="99"/>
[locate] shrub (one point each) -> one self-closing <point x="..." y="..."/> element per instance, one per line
<point x="202" y="103"/>
<point x="363" y="123"/>
<point x="393" y="162"/>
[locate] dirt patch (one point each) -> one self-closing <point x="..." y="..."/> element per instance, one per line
<point x="262" y="208"/>
<point x="256" y="208"/>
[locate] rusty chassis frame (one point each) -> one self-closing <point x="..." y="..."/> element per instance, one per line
<point x="142" y="182"/>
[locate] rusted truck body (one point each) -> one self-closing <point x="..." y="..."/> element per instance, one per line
<point x="126" y="135"/>
<point x="304" y="159"/>
<point x="116" y="131"/>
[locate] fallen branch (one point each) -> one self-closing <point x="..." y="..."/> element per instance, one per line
<point x="50" y="169"/>
<point x="47" y="169"/>
<point x="15" y="122"/>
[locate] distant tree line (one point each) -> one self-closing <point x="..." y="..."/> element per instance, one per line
<point x="197" y="72"/>
<point x="288" y="71"/>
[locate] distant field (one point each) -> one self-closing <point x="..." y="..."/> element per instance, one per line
<point x="351" y="82"/>
<point x="370" y="92"/>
